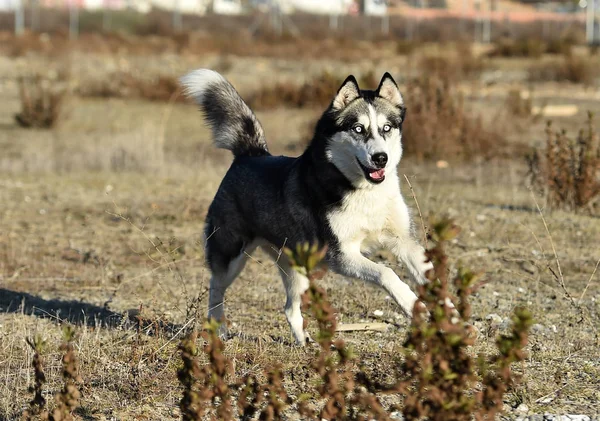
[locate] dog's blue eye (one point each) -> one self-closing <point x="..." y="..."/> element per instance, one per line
<point x="358" y="129"/>
<point x="387" y="128"/>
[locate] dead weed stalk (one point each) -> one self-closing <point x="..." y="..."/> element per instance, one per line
<point x="41" y="105"/>
<point x="38" y="403"/>
<point x="439" y="379"/>
<point x="439" y="126"/>
<point x="68" y="398"/>
<point x="567" y="171"/>
<point x="442" y="381"/>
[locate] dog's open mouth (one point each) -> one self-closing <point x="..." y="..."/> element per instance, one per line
<point x="374" y="175"/>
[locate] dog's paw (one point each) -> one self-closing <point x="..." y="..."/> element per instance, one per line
<point x="426" y="267"/>
<point x="223" y="332"/>
<point x="422" y="272"/>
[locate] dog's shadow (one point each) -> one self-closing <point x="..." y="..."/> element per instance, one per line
<point x="78" y="313"/>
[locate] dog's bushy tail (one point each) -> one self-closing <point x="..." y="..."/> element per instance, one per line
<point x="234" y="125"/>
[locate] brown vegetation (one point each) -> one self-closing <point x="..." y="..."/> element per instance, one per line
<point x="67" y="400"/>
<point x="462" y="64"/>
<point x="317" y="92"/>
<point x="438" y="378"/>
<point x="128" y="85"/>
<point x="535" y="47"/>
<point x="568" y="170"/>
<point x="439" y="127"/>
<point x="569" y="68"/>
<point x="517" y="104"/>
<point x="41" y="103"/>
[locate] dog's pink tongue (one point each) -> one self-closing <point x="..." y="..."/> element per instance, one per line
<point x="377" y="174"/>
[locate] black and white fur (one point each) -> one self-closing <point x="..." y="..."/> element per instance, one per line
<point x="343" y="191"/>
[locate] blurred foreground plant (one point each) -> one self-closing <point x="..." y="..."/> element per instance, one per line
<point x="438" y="380"/>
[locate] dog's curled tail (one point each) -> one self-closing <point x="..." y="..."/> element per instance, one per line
<point x="234" y="125"/>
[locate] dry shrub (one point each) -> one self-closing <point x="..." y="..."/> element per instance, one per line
<point x="570" y="68"/>
<point x="318" y="91"/>
<point x="463" y="64"/>
<point x="140" y="150"/>
<point x="568" y="170"/>
<point x="67" y="400"/>
<point x="38" y="403"/>
<point x="442" y="381"/>
<point x="41" y="103"/>
<point x="564" y="44"/>
<point x="439" y="127"/>
<point x="559" y="46"/>
<point x="30" y="42"/>
<point x="128" y="85"/>
<point x="406" y="47"/>
<point x="518" y="47"/>
<point x="439" y="379"/>
<point x="517" y="104"/>
<point x="197" y="402"/>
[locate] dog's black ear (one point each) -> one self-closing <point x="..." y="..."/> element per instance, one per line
<point x="389" y="90"/>
<point x="347" y="93"/>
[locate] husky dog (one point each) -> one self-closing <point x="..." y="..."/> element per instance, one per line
<point x="343" y="191"/>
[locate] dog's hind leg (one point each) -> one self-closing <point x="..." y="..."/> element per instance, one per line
<point x="295" y="285"/>
<point x="224" y="272"/>
<point x="350" y="262"/>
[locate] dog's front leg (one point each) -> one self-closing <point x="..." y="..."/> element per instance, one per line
<point x="350" y="262"/>
<point x="398" y="239"/>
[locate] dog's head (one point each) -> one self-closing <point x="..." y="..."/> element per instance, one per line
<point x="364" y="131"/>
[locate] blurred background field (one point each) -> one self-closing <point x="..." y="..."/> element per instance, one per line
<point x="106" y="173"/>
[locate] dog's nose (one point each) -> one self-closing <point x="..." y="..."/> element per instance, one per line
<point x="379" y="159"/>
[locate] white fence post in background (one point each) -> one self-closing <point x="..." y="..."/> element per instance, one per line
<point x="177" y="22"/>
<point x="590" y="21"/>
<point x="35" y="15"/>
<point x="463" y="16"/>
<point x="333" y="22"/>
<point x="106" y="17"/>
<point x="73" y="20"/>
<point x="487" y="24"/>
<point x="19" y="17"/>
<point x="385" y="24"/>
<point x="411" y="29"/>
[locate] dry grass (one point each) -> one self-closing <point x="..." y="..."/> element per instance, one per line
<point x="128" y="272"/>
<point x="438" y="126"/>
<point x="66" y="255"/>
<point x="535" y="47"/>
<point x="163" y="88"/>
<point x="437" y="379"/>
<point x="570" y="68"/>
<point x="461" y="64"/>
<point x="317" y="92"/>
<point x="519" y="47"/>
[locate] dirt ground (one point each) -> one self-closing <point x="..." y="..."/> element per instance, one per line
<point x="102" y="219"/>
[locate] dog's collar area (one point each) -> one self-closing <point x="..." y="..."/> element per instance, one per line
<point x="373" y="175"/>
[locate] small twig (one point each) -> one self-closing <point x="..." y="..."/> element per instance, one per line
<point x="540" y="400"/>
<point x="589" y="282"/>
<point x="169" y="341"/>
<point x="419" y="210"/>
<point x="172" y="263"/>
<point x="559" y="277"/>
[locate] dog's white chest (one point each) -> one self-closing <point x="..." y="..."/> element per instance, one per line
<point x="362" y="215"/>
